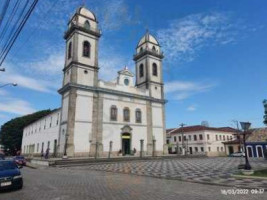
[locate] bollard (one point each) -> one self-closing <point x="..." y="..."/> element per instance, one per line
<point x="141" y="148"/>
<point x="154" y="148"/>
<point x="110" y="149"/>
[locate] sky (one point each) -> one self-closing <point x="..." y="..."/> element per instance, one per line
<point x="215" y="65"/>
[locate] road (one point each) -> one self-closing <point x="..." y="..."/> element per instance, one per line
<point x="75" y="184"/>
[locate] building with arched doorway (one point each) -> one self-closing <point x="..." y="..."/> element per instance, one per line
<point x="98" y="117"/>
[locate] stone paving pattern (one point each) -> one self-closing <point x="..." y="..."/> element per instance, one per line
<point x="70" y="184"/>
<point x="201" y="170"/>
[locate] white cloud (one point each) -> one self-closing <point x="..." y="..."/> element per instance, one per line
<point x="185" y="37"/>
<point x="181" y="90"/>
<point x="16" y="106"/>
<point x="191" y="108"/>
<point x="28" y="82"/>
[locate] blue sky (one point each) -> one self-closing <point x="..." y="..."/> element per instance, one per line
<point x="215" y="65"/>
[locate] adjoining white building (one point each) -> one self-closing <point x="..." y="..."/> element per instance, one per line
<point x="97" y="116"/>
<point x="200" y="140"/>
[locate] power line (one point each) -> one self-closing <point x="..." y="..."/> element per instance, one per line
<point x="13" y="39"/>
<point x="9" y="21"/>
<point x="3" y="13"/>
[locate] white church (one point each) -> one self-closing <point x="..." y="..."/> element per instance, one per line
<point x="99" y="118"/>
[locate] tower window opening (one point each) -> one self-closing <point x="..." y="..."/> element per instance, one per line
<point x="87" y="25"/>
<point x="86" y="49"/>
<point x="155" y="69"/>
<point x="141" y="70"/>
<point x="69" y="50"/>
<point x="154" y="48"/>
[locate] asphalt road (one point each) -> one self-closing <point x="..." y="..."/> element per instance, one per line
<point x="75" y="184"/>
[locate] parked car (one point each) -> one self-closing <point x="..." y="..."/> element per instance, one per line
<point x="237" y="154"/>
<point x="20" y="160"/>
<point x="2" y="156"/>
<point x="10" y="175"/>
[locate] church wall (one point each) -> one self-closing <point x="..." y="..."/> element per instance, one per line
<point x="65" y="105"/>
<point x="85" y="76"/>
<point x="83" y="122"/>
<point x="157" y="133"/>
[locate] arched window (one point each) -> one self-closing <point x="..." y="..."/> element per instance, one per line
<point x="141" y="70"/>
<point x="87" y="25"/>
<point x="141" y="49"/>
<point x="69" y="50"/>
<point x="86" y="49"/>
<point x="155" y="69"/>
<point x="113" y="113"/>
<point x="154" y="48"/>
<point x="126" y="114"/>
<point x="138" y="116"/>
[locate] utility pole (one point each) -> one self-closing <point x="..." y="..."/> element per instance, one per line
<point x="182" y="126"/>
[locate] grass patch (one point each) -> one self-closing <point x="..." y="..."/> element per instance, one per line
<point x="260" y="173"/>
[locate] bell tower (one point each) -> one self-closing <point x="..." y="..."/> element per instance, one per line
<point x="80" y="73"/>
<point x="81" y="57"/>
<point x="148" y="61"/>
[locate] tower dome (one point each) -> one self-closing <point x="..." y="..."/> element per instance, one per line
<point x="85" y="12"/>
<point x="148" y="38"/>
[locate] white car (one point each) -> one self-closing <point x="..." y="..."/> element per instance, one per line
<point x="237" y="154"/>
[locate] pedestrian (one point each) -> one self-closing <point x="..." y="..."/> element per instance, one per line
<point x="47" y="153"/>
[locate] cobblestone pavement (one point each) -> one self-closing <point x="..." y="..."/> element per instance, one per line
<point x="76" y="184"/>
<point x="202" y="170"/>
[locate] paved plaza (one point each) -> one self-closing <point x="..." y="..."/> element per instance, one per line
<point x="70" y="184"/>
<point x="201" y="170"/>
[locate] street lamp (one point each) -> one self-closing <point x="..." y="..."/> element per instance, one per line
<point x="245" y="126"/>
<point x="13" y="84"/>
<point x="2" y="69"/>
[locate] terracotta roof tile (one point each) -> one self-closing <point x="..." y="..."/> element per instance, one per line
<point x="199" y="128"/>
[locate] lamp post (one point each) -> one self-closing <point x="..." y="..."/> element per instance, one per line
<point x="183" y="145"/>
<point x="245" y="126"/>
<point x="13" y="84"/>
<point x="2" y="69"/>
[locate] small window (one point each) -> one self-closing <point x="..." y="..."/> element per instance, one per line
<point x="155" y="69"/>
<point x="200" y="137"/>
<point x="69" y="50"/>
<point x="202" y="149"/>
<point x="126" y="81"/>
<point x="175" y="139"/>
<point x="85" y="71"/>
<point x="141" y="70"/>
<point x="180" y="138"/>
<point x="220" y="137"/>
<point x="113" y="113"/>
<point x="224" y="138"/>
<point x="87" y="25"/>
<point x="216" y="137"/>
<point x="195" y="138"/>
<point x="184" y="138"/>
<point x="153" y="48"/>
<point x="126" y="114"/>
<point x="141" y="49"/>
<point x="189" y="137"/>
<point x="86" y="49"/>
<point x="208" y="136"/>
<point x="138" y="116"/>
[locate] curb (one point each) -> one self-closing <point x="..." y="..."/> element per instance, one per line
<point x="250" y="177"/>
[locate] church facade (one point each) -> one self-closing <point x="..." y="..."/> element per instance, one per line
<point x="98" y="117"/>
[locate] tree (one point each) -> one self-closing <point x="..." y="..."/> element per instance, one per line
<point x="12" y="131"/>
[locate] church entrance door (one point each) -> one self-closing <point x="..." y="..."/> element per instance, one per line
<point x="126" y="144"/>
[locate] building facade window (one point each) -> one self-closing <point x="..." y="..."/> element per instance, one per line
<point x="86" y="49"/>
<point x="195" y="138"/>
<point x="155" y="69"/>
<point x="126" y="114"/>
<point x="216" y="137"/>
<point x="180" y="138"/>
<point x="208" y="136"/>
<point x="189" y="137"/>
<point x="224" y="138"/>
<point x="200" y="137"/>
<point x="113" y="113"/>
<point x="202" y="149"/>
<point x="37" y="147"/>
<point x="220" y="137"/>
<point x="196" y="149"/>
<point x="138" y="116"/>
<point x="70" y="50"/>
<point x="141" y="70"/>
<point x="175" y="139"/>
<point x="153" y="48"/>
